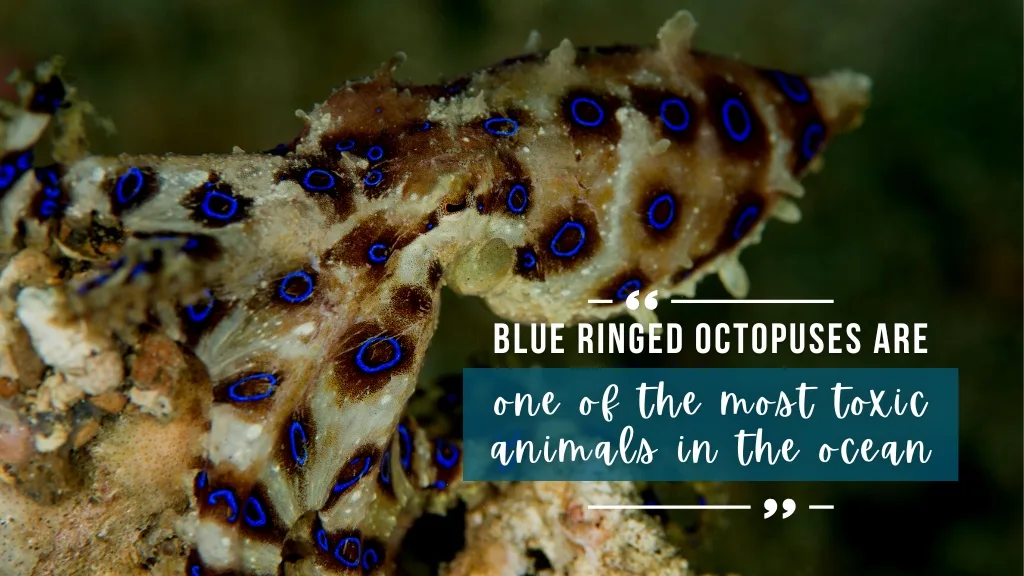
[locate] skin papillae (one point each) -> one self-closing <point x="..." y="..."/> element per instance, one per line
<point x="307" y="279"/>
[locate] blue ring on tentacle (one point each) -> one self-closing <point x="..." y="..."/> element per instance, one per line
<point x="373" y="177"/>
<point x="375" y="153"/>
<point x="195" y="571"/>
<point x="439" y="456"/>
<point x="792" y="87"/>
<point x="405" y="456"/>
<point x="297" y="430"/>
<point x="366" y="368"/>
<point x="367" y="563"/>
<point x="579" y="245"/>
<point x="651" y="219"/>
<point x="282" y="289"/>
<point x="271" y="384"/>
<point x="509" y="126"/>
<point x="375" y="253"/>
<point x="340" y="548"/>
<point x="385" y="468"/>
<point x="628" y="288"/>
<point x="345" y="145"/>
<point x="425" y="126"/>
<point x="199" y="316"/>
<point x="201" y="479"/>
<point x="529" y="260"/>
<point x="581" y="121"/>
<point x="253" y="504"/>
<point x="308" y="185"/>
<point x="47" y="208"/>
<point x="132" y="172"/>
<point x="357" y="478"/>
<point x="321" y="540"/>
<point x="24" y="162"/>
<point x="209" y="211"/>
<point x="738" y="136"/>
<point x="741" y="228"/>
<point x="7" y="174"/>
<point x="229" y="498"/>
<point x="668" y="123"/>
<point x="811" y="142"/>
<point x="522" y="205"/>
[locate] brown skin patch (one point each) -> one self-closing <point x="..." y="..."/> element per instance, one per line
<point x="372" y="233"/>
<point x="527" y="264"/>
<point x="366" y="359"/>
<point x="799" y="118"/>
<point x="590" y="116"/>
<point x="358" y="467"/>
<point x="215" y="204"/>
<point x="410" y="303"/>
<point x="137" y="185"/>
<point x="658" y="211"/>
<point x="623" y="284"/>
<point x="258" y="520"/>
<point x="676" y="117"/>
<point x="569" y="239"/>
<point x="331" y="189"/>
<point x="740" y="130"/>
<point x="434" y="275"/>
<point x="750" y="208"/>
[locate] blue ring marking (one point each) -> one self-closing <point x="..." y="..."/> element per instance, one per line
<point x="628" y="288"/>
<point x="366" y="468"/>
<point x="229" y="498"/>
<point x="199" y="316"/>
<point x="509" y="127"/>
<point x="446" y="463"/>
<point x="340" y="548"/>
<point x="430" y="225"/>
<point x="321" y="540"/>
<point x="190" y="244"/>
<point x="367" y="563"/>
<point x="654" y="206"/>
<point x="195" y="571"/>
<point x="316" y="171"/>
<point x="747" y="126"/>
<point x="271" y="384"/>
<point x="812" y="139"/>
<point x="740" y="228"/>
<point x="345" y="145"/>
<point x="47" y="208"/>
<point x="375" y="153"/>
<point x="297" y="430"/>
<point x="51" y="192"/>
<point x="282" y="289"/>
<point x="366" y="368"/>
<point x="132" y="172"/>
<point x="511" y="195"/>
<point x="201" y="479"/>
<point x="479" y="205"/>
<point x="668" y="123"/>
<point x="375" y="253"/>
<point x="592" y="102"/>
<point x="209" y="211"/>
<point x="792" y="86"/>
<point x="579" y="245"/>
<point x="440" y="485"/>
<point x="7" y="174"/>
<point x="253" y="504"/>
<point x="529" y="260"/>
<point x="385" y="467"/>
<point x="404" y="454"/>
<point x="425" y="127"/>
<point x="24" y="162"/>
<point x="373" y="177"/>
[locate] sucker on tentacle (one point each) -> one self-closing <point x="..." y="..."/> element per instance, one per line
<point x="306" y="279"/>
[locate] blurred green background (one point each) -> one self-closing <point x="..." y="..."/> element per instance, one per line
<point x="916" y="218"/>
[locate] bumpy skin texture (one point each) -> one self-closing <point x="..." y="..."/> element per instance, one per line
<point x="307" y="279"/>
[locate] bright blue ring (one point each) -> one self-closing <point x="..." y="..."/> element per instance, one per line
<point x="344" y="145"/>
<point x="47" y="208"/>
<point x="134" y="173"/>
<point x="529" y="260"/>
<point x="375" y="153"/>
<point x="24" y="162"/>
<point x="511" y="194"/>
<point x="296" y="427"/>
<point x="374" y="255"/>
<point x="792" y="87"/>
<point x="201" y="479"/>
<point x="341" y="547"/>
<point x="201" y="315"/>
<point x="405" y="456"/>
<point x="686" y="115"/>
<point x="750" y="212"/>
<point x="195" y="571"/>
<point x="366" y="368"/>
<point x="814" y="133"/>
<point x="576" y="116"/>
<point x="51" y="192"/>
<point x="579" y="245"/>
<point x="7" y="174"/>
<point x="287" y="279"/>
<point x="446" y="463"/>
<point x="357" y="478"/>
<point x="309" y="186"/>
<point x="261" y="519"/>
<point x="321" y="539"/>
<point x="488" y="125"/>
<point x="385" y="468"/>
<point x="211" y="213"/>
<point x="628" y="288"/>
<point x="229" y="497"/>
<point x="367" y="565"/>
<point x="654" y="206"/>
<point x="737" y="136"/>
<point x="270" y="378"/>
<point x="373" y="177"/>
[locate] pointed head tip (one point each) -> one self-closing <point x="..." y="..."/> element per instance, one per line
<point x="677" y="32"/>
<point x="843" y="95"/>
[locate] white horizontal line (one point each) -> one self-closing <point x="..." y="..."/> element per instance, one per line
<point x="689" y="301"/>
<point x="821" y="507"/>
<point x="670" y="507"/>
<point x="599" y="301"/>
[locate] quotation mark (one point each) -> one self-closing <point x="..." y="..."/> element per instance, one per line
<point x="650" y="301"/>
<point x="771" y="507"/>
